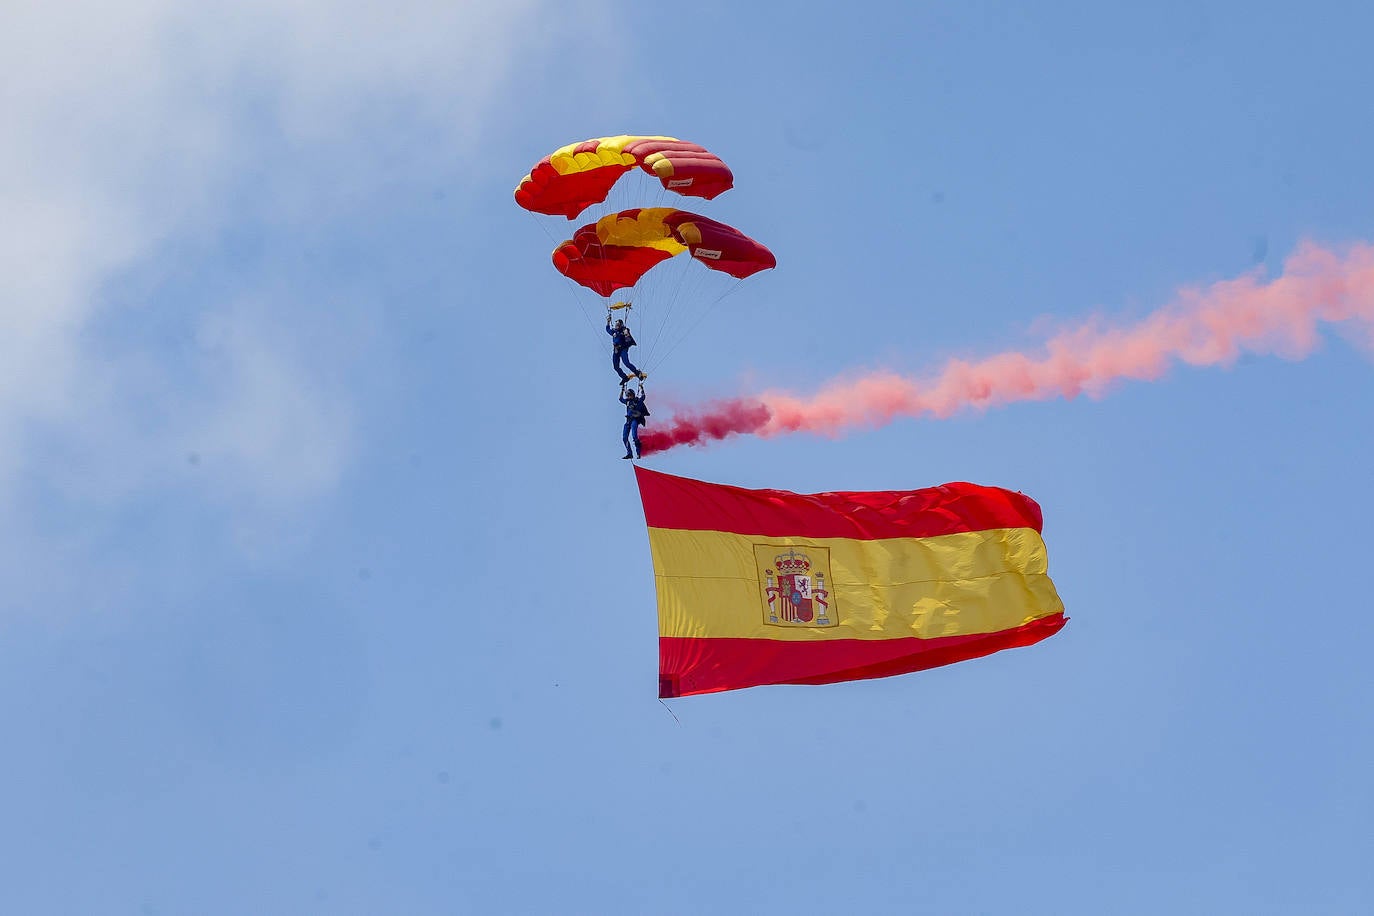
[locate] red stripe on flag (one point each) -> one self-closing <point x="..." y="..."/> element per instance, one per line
<point x="692" y="665"/>
<point x="953" y="508"/>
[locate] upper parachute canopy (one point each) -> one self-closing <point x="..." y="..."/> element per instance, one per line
<point x="618" y="249"/>
<point x="571" y="179"/>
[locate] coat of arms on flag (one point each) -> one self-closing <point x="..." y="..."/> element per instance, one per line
<point x="795" y="583"/>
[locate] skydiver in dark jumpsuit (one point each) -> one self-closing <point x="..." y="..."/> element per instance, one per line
<point x="636" y="412"/>
<point x="621" y="342"/>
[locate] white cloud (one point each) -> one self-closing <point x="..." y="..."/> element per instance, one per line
<point x="126" y="127"/>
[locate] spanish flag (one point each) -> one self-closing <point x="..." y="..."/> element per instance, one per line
<point x="770" y="587"/>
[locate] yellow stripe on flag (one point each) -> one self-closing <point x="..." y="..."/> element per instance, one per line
<point x="716" y="584"/>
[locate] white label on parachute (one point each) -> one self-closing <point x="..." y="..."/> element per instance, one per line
<point x="679" y="182"/>
<point x="710" y="253"/>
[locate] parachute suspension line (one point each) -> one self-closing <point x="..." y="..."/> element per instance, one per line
<point x="635" y="191"/>
<point x="681" y="282"/>
<point x="596" y="325"/>
<point x="595" y="336"/>
<point x="687" y="289"/>
<point x="702" y="317"/>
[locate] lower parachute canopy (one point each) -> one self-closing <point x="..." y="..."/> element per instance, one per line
<point x="618" y="249"/>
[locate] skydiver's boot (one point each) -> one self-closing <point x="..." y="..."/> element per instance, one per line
<point x="626" y="455"/>
<point x="642" y="376"/>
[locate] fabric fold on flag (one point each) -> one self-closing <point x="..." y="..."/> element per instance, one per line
<point x="770" y="587"/>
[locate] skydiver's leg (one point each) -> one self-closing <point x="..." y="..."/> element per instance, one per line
<point x="616" y="357"/>
<point x="634" y="435"/>
<point x="629" y="365"/>
<point x="625" y="437"/>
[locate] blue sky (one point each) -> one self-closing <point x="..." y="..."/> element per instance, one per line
<point x="325" y="591"/>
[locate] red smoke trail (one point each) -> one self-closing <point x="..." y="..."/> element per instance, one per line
<point x="1202" y="327"/>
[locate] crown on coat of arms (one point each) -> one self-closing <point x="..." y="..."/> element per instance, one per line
<point x="791" y="562"/>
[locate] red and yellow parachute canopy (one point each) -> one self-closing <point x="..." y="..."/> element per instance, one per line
<point x="571" y="179"/>
<point x="618" y="249"/>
